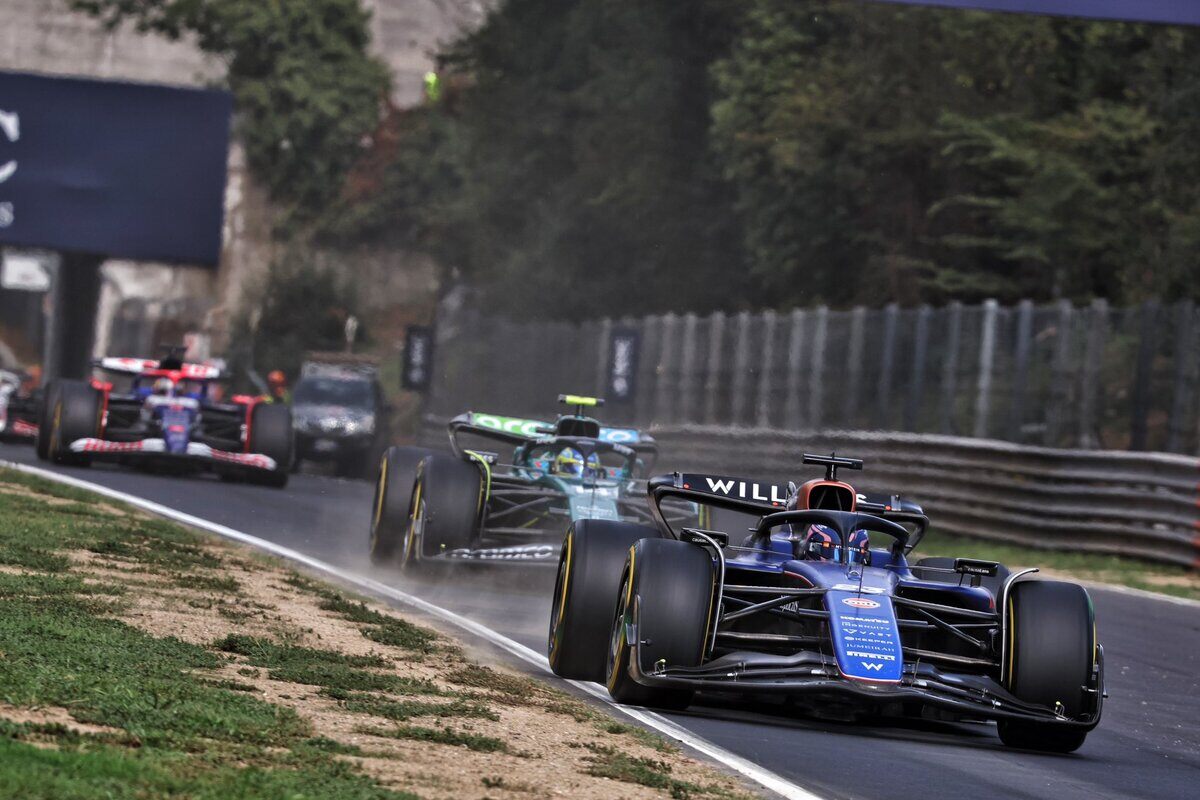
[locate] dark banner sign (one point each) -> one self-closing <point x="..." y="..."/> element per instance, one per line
<point x="116" y="169"/>
<point x="623" y="347"/>
<point x="1181" y="12"/>
<point x="417" y="370"/>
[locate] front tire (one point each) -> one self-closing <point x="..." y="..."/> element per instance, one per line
<point x="393" y="500"/>
<point x="271" y="435"/>
<point x="75" y="415"/>
<point x="1052" y="650"/>
<point x="666" y="596"/>
<point x="447" y="505"/>
<point x="585" y="595"/>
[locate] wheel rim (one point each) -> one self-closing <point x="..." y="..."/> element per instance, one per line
<point x="617" y="638"/>
<point x="380" y="490"/>
<point x="416" y="529"/>
<point x="559" y="604"/>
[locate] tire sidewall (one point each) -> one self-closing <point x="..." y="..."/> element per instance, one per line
<point x="666" y="597"/>
<point x="392" y="504"/>
<point x="271" y="435"/>
<point x="74" y="415"/>
<point x="591" y="563"/>
<point x="447" y="501"/>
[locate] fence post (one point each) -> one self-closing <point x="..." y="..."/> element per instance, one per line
<point x="816" y="378"/>
<point x="950" y="368"/>
<point x="1058" y="375"/>
<point x="987" y="353"/>
<point x="766" y="370"/>
<point x="712" y="382"/>
<point x="687" y="370"/>
<point x="795" y="360"/>
<point x="1181" y="394"/>
<point x="741" y="369"/>
<point x="1139" y="407"/>
<point x="1020" y="378"/>
<point x="667" y="372"/>
<point x="1090" y="378"/>
<point x="643" y="401"/>
<point x="602" y="345"/>
<point x="883" y="394"/>
<point x="858" y="319"/>
<point x="916" y="386"/>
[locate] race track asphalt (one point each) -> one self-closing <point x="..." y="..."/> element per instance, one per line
<point x="1147" y="746"/>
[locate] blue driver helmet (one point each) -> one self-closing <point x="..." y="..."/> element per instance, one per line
<point x="824" y="543"/>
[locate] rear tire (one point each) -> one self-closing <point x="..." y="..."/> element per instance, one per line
<point x="271" y="435"/>
<point x="667" y="594"/>
<point x="1052" y="644"/>
<point x="75" y="415"/>
<point x="447" y="503"/>
<point x="585" y="595"/>
<point x="393" y="500"/>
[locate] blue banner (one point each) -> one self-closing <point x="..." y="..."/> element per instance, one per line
<point x="114" y="169"/>
<point x="1181" y="12"/>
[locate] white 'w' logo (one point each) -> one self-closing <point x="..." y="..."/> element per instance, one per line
<point x="875" y="667"/>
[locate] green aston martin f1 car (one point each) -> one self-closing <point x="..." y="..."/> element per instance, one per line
<point x="475" y="505"/>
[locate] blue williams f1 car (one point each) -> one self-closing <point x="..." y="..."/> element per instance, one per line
<point x="820" y="604"/>
<point x="472" y="506"/>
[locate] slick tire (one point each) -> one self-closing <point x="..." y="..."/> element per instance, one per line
<point x="992" y="584"/>
<point x="45" y="418"/>
<point x="75" y="415"/>
<point x="393" y="500"/>
<point x="590" y="564"/>
<point x="447" y="503"/>
<point x="1051" y="649"/>
<point x="666" y="595"/>
<point x="271" y="435"/>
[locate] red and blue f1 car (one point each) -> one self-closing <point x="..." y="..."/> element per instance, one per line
<point x="18" y="408"/>
<point x="165" y="414"/>
<point x="820" y="604"/>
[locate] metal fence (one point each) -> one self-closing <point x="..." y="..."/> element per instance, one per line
<point x="1057" y="375"/>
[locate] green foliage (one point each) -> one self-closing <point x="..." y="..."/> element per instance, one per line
<point x="958" y="155"/>
<point x="601" y="157"/>
<point x="305" y="89"/>
<point x="302" y="308"/>
<point x="568" y="162"/>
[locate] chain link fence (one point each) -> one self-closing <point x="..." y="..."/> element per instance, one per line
<point x="1057" y="375"/>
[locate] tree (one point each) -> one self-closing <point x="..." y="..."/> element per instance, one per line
<point x="307" y="94"/>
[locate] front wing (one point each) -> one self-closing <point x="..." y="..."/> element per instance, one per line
<point x="807" y="672"/>
<point x="150" y="449"/>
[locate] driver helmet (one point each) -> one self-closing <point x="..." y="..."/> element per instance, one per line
<point x="570" y="461"/>
<point x="824" y="542"/>
<point x="163" y="387"/>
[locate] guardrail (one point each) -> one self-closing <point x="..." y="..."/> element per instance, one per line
<point x="1144" y="505"/>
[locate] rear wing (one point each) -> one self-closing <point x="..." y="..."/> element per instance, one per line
<point x="761" y="497"/>
<point x="746" y="495"/>
<point x="153" y="367"/>
<point x="517" y="431"/>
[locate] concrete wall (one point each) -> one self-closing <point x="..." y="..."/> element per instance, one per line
<point x="45" y="36"/>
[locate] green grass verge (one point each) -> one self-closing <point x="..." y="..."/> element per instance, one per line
<point x="1177" y="581"/>
<point x="609" y="762"/>
<point x="169" y="729"/>
<point x="471" y="741"/>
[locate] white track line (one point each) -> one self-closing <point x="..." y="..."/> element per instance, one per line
<point x="748" y="769"/>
